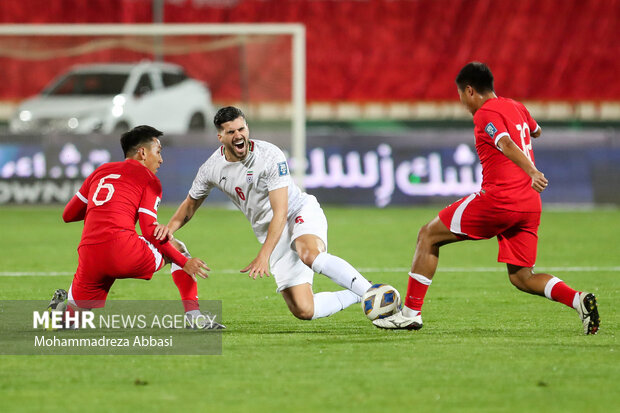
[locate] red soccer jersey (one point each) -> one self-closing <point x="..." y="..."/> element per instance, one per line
<point x="116" y="192"/>
<point x="502" y="179"/>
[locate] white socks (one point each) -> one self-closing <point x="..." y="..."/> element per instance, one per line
<point x="340" y="272"/>
<point x="328" y="303"/>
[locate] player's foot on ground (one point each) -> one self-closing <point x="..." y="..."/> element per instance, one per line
<point x="588" y="311"/>
<point x="58" y="302"/>
<point x="204" y="321"/>
<point x="399" y="322"/>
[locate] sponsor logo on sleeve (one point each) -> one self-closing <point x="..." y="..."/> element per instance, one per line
<point x="157" y="202"/>
<point x="282" y="168"/>
<point x="490" y="129"/>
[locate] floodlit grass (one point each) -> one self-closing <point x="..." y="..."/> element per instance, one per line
<point x="484" y="347"/>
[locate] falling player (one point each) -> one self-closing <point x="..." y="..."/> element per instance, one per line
<point x="289" y="223"/>
<point x="508" y="206"/>
<point x="110" y="201"/>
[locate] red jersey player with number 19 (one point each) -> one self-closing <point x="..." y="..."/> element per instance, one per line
<point x="507" y="207"/>
<point x="110" y="201"/>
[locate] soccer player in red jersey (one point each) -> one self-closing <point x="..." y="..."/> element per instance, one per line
<point x="507" y="207"/>
<point x="110" y="201"/>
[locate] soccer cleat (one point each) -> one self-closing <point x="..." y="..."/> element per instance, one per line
<point x="588" y="312"/>
<point x="204" y="321"/>
<point x="399" y="322"/>
<point x="58" y="302"/>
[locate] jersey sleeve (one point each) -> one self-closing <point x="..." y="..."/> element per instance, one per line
<point x="531" y="123"/>
<point x="277" y="174"/>
<point x="491" y="126"/>
<point x="151" y="198"/>
<point x="75" y="210"/>
<point x="202" y="185"/>
<point x="147" y="213"/>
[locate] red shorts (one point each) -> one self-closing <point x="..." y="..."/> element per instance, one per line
<point x="99" y="265"/>
<point x="477" y="217"/>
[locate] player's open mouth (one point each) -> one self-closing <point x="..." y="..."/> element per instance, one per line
<point x="239" y="145"/>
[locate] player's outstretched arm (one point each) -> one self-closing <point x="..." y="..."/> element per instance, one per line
<point x="278" y="198"/>
<point x="516" y="155"/>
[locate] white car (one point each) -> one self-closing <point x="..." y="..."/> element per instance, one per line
<point x="115" y="97"/>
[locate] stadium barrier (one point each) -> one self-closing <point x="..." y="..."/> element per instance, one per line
<point x="414" y="168"/>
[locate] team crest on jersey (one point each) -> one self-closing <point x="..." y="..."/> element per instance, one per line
<point x="490" y="129"/>
<point x="249" y="177"/>
<point x="283" y="168"/>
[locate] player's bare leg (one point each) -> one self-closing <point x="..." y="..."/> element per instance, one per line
<point x="312" y="252"/>
<point x="306" y="305"/>
<point x="555" y="289"/>
<point x="425" y="259"/>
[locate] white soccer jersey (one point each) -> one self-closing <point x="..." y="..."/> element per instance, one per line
<point x="247" y="183"/>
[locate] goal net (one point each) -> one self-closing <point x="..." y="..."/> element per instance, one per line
<point x="257" y="67"/>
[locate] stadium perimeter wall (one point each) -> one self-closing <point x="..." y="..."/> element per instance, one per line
<point x="410" y="168"/>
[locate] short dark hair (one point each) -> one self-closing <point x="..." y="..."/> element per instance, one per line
<point x="131" y="140"/>
<point x="226" y="114"/>
<point x="477" y="75"/>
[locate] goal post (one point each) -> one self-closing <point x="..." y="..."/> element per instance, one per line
<point x="297" y="33"/>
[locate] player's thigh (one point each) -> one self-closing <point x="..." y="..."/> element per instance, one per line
<point x="134" y="257"/>
<point x="474" y="217"/>
<point x="286" y="266"/>
<point x="310" y="220"/>
<point x="518" y="245"/>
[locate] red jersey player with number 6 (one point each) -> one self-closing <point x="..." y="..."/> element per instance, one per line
<point x="110" y="201"/>
<point x="507" y="207"/>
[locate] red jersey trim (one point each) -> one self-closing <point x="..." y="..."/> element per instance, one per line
<point x="251" y="146"/>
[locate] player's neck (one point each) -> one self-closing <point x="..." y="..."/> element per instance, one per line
<point x="481" y="99"/>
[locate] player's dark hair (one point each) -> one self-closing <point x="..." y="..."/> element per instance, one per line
<point x="131" y="140"/>
<point x="477" y="75"/>
<point x="226" y="114"/>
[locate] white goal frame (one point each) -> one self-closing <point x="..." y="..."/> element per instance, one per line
<point x="296" y="31"/>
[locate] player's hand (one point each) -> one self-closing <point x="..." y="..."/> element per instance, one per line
<point x="539" y="182"/>
<point x="259" y="266"/>
<point x="195" y="266"/>
<point x="162" y="232"/>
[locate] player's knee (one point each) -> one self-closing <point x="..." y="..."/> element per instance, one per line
<point x="308" y="255"/>
<point x="303" y="312"/>
<point x="424" y="234"/>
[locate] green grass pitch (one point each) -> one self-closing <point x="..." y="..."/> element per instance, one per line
<point x="485" y="347"/>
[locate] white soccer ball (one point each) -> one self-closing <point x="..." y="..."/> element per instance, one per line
<point x="380" y="301"/>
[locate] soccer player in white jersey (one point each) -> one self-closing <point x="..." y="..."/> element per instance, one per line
<point x="289" y="223"/>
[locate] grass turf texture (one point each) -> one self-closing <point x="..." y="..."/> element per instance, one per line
<point x="484" y="347"/>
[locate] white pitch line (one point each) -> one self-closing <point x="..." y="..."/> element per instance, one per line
<point x="362" y="270"/>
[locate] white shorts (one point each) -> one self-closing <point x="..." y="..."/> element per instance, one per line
<point x="286" y="266"/>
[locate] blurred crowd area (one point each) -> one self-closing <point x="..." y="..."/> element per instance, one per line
<point x="368" y="59"/>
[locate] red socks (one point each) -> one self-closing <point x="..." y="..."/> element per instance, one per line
<point x="557" y="290"/>
<point x="188" y="289"/>
<point x="416" y="290"/>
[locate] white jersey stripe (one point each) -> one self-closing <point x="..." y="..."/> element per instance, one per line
<point x="455" y="224"/>
<point x="146" y="211"/>
<point x="82" y="198"/>
<point x="498" y="137"/>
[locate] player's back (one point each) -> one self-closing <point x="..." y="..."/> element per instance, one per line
<point x="114" y="193"/>
<point x="502" y="178"/>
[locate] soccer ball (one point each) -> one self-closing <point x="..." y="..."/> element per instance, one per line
<point x="380" y="301"/>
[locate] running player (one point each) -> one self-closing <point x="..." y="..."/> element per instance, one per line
<point x="110" y="201"/>
<point x="289" y="223"/>
<point x="507" y="207"/>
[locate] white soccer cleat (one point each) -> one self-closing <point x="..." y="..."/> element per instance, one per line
<point x="588" y="312"/>
<point x="203" y="321"/>
<point x="399" y="322"/>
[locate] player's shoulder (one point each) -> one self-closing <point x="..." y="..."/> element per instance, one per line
<point x="265" y="149"/>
